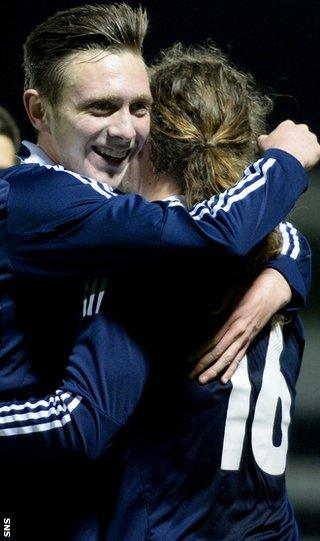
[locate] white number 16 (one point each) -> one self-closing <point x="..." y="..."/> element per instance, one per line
<point x="270" y="458"/>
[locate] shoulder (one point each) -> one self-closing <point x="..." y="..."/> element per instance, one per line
<point x="34" y="175"/>
<point x="54" y="181"/>
<point x="41" y="194"/>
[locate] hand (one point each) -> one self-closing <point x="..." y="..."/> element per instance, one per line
<point x="296" y="139"/>
<point x="268" y="294"/>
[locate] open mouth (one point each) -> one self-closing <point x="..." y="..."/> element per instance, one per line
<point x="112" y="155"/>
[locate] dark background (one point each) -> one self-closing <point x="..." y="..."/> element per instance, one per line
<point x="279" y="42"/>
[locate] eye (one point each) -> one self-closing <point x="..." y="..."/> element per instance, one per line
<point x="97" y="110"/>
<point x="140" y="108"/>
<point x="99" y="107"/>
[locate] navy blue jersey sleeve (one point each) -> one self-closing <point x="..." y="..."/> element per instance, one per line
<point x="103" y="383"/>
<point x="294" y="263"/>
<point x="81" y="225"/>
<point x="241" y="215"/>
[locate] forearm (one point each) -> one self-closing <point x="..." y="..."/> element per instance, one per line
<point x="91" y="405"/>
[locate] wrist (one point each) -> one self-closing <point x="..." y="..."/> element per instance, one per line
<point x="278" y="285"/>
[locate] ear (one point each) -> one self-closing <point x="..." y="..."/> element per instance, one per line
<point x="37" y="109"/>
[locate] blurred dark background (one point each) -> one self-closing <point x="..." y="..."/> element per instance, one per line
<point x="279" y="42"/>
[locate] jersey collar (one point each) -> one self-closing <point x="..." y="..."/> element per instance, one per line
<point x="178" y="197"/>
<point x="31" y="153"/>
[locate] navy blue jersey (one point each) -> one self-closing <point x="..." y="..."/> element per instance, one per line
<point x="61" y="231"/>
<point x="208" y="462"/>
<point x="91" y="402"/>
<point x="92" y="380"/>
<point x="61" y="235"/>
<point x="58" y="228"/>
<point x="103" y="383"/>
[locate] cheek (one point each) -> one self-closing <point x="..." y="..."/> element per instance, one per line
<point x="143" y="130"/>
<point x="89" y="126"/>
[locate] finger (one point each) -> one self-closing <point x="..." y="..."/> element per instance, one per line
<point x="209" y="375"/>
<point x="211" y="355"/>
<point x="237" y="358"/>
<point x="220" y="365"/>
<point x="235" y="337"/>
<point x="205" y="361"/>
<point x="233" y="367"/>
<point x="211" y="358"/>
<point x="239" y="329"/>
<point x="221" y="333"/>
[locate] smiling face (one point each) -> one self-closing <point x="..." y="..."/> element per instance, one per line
<point x="103" y="116"/>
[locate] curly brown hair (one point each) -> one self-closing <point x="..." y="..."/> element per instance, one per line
<point x="206" y="118"/>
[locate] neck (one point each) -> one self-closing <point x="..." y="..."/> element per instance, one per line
<point x="152" y="186"/>
<point x="143" y="180"/>
<point x="159" y="187"/>
<point x="44" y="143"/>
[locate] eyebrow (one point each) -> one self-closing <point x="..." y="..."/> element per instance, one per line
<point x="144" y="97"/>
<point x="111" y="100"/>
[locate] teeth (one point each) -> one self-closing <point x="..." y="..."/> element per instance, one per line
<point x="111" y="153"/>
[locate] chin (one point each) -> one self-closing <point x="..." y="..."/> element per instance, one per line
<point x="115" y="179"/>
<point x="114" y="182"/>
<point x="106" y="178"/>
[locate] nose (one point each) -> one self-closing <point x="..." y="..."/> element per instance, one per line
<point x="121" y="127"/>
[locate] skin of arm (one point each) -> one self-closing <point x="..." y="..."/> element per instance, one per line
<point x="267" y="295"/>
<point x="288" y="286"/>
<point x="270" y="292"/>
